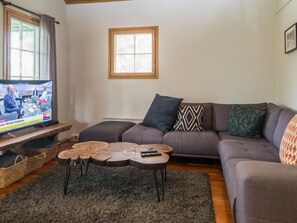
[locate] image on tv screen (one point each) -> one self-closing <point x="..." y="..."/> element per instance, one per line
<point x="24" y="103"/>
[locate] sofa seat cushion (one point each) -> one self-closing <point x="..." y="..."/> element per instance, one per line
<point x="229" y="170"/>
<point x="108" y="131"/>
<point x="141" y="134"/>
<point x="226" y="135"/>
<point x="235" y="149"/>
<point x="202" y="144"/>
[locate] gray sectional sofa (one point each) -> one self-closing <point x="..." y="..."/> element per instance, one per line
<point x="260" y="188"/>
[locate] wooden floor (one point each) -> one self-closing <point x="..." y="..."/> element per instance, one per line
<point x="219" y="193"/>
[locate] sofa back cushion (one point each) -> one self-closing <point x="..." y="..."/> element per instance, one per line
<point x="285" y="117"/>
<point x="206" y="116"/>
<point x="220" y="118"/>
<point x="288" y="146"/>
<point x="270" y="122"/>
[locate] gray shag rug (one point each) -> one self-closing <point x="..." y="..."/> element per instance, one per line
<point x="110" y="195"/>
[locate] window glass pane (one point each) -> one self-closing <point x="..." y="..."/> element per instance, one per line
<point x="15" y="62"/>
<point x="124" y="44"/>
<point x="124" y="64"/>
<point x="143" y="63"/>
<point x="28" y="40"/>
<point x="144" y="43"/>
<point x="15" y="33"/>
<point x="27" y="63"/>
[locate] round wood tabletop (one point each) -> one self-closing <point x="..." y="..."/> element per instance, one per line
<point x="83" y="150"/>
<point x="122" y="147"/>
<point x="91" y="145"/>
<point x="149" y="163"/>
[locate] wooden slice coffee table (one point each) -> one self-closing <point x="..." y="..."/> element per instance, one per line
<point x="116" y="155"/>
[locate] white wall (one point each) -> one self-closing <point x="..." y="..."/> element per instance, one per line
<point x="219" y="51"/>
<point x="57" y="9"/>
<point x="286" y="64"/>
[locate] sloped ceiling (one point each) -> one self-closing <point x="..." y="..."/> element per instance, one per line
<point x="89" y="1"/>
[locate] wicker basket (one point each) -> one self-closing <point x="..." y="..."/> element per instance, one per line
<point x="51" y="153"/>
<point x="13" y="173"/>
<point x="35" y="162"/>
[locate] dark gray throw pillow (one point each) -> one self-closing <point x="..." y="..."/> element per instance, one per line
<point x="246" y="121"/>
<point x="8" y="159"/>
<point x="162" y="113"/>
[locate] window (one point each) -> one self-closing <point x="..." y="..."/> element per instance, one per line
<point x="133" y="52"/>
<point x="21" y="46"/>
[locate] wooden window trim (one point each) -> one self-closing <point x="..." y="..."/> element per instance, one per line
<point x="8" y="14"/>
<point x="133" y="30"/>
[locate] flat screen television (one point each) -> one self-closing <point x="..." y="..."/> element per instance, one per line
<point x="24" y="103"/>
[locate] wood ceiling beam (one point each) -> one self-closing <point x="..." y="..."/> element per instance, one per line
<point x="89" y="1"/>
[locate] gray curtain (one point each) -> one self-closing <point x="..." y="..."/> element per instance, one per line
<point x="48" y="60"/>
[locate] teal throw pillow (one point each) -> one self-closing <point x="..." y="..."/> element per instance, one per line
<point x="246" y="121"/>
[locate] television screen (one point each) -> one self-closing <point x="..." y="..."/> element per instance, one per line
<point x="24" y="103"/>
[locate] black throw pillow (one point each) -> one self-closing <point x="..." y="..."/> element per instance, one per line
<point x="162" y="113"/>
<point x="7" y="159"/>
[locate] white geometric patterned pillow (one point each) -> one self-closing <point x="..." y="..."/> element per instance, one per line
<point x="189" y="118"/>
<point x="288" y="146"/>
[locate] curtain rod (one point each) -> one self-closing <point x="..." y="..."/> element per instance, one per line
<point x="5" y="3"/>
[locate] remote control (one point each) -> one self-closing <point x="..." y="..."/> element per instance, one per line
<point x="150" y="154"/>
<point x="151" y="151"/>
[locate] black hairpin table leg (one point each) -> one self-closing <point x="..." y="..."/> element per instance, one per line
<point x="68" y="170"/>
<point x="163" y="178"/>
<point x="162" y="184"/>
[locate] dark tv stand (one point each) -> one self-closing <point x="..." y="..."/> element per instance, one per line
<point x="46" y="124"/>
<point x="16" y="139"/>
<point x="29" y="134"/>
<point x="25" y="131"/>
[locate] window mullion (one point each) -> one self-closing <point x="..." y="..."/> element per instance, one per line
<point x="134" y="53"/>
<point x="34" y="57"/>
<point x="21" y="50"/>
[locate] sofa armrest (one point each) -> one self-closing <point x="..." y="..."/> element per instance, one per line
<point x="266" y="192"/>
